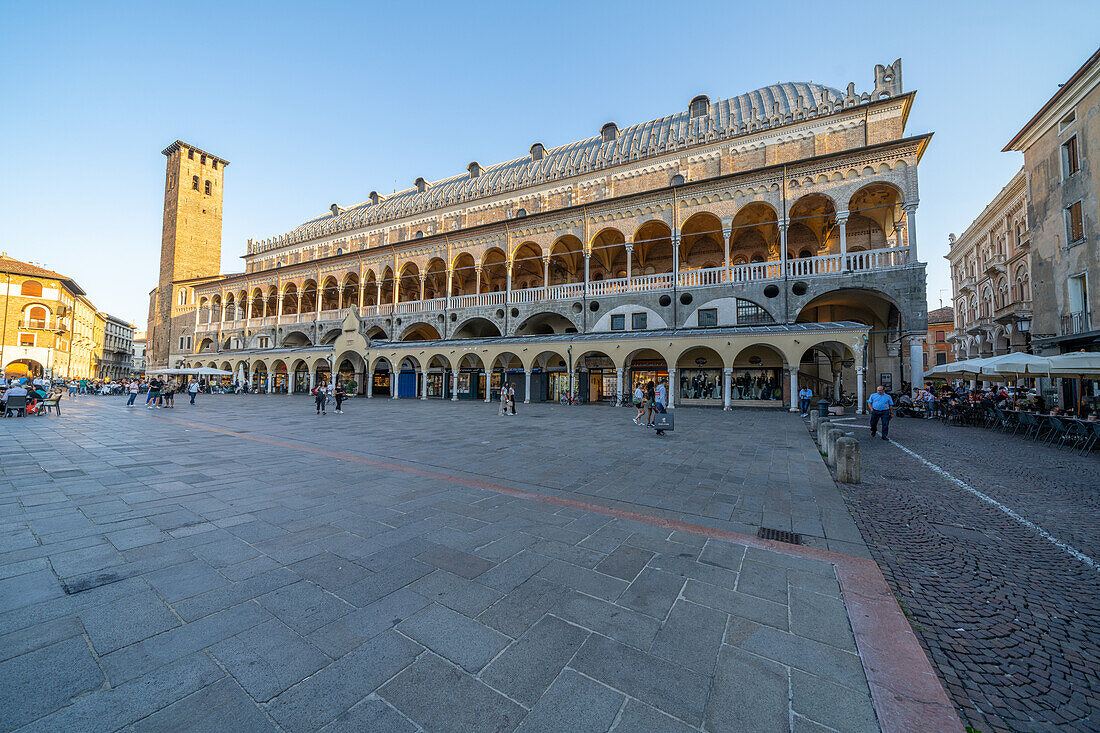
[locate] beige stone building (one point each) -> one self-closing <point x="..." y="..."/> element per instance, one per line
<point x="991" y="277"/>
<point x="1059" y="145"/>
<point x="738" y="248"/>
<point x="50" y="327"/>
<point x="118" y="348"/>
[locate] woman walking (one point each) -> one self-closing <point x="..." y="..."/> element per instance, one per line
<point x="321" y="394"/>
<point x="650" y="400"/>
<point x="512" y="398"/>
<point x="639" y="400"/>
<point x="339" y="396"/>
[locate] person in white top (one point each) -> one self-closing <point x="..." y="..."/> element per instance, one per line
<point x="639" y="402"/>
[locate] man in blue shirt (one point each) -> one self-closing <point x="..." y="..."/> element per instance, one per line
<point x="882" y="408"/>
<point x="804" y="396"/>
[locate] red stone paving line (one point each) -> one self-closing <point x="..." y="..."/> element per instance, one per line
<point x="905" y="690"/>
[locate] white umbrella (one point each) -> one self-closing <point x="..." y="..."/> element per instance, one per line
<point x="966" y="368"/>
<point x="1016" y="364"/>
<point x="209" y="372"/>
<point x="1080" y="364"/>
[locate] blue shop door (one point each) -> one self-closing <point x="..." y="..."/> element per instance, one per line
<point x="406" y="384"/>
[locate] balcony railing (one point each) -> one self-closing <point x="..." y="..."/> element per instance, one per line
<point x="1074" y="323"/>
<point x="745" y="273"/>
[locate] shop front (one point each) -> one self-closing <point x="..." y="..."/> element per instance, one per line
<point x="699" y="386"/>
<point x="380" y="384"/>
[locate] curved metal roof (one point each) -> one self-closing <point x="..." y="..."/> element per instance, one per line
<point x="770" y="105"/>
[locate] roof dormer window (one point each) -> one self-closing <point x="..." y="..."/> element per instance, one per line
<point x="537" y="151"/>
<point x="421" y="185"/>
<point x="474" y="169"/>
<point x="374" y="198"/>
<point x="609" y="132"/>
<point x="699" y="107"/>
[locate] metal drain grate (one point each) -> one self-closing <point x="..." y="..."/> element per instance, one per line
<point x="779" y="535"/>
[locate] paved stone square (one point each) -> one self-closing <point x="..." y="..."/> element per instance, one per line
<point x="245" y="564"/>
<point x="1010" y="620"/>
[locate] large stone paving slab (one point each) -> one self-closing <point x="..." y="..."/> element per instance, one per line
<point x="271" y="570"/>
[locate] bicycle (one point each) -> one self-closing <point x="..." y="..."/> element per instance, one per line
<point x="615" y="400"/>
<point x="569" y="399"/>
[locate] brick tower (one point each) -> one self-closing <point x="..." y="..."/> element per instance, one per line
<point x="191" y="237"/>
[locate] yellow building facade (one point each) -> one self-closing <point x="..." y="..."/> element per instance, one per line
<point x="50" y="328"/>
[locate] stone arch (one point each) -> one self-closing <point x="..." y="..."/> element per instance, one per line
<point x="653" y="247"/>
<point x="280" y="376"/>
<point x="290" y="298"/>
<point x="699" y="376"/>
<point x="377" y="333"/>
<point x="420" y="331"/>
<point x="754" y="235"/>
<point x="827" y="367"/>
<point x="299" y="376"/>
<point x="308" y="296"/>
<point x="349" y="291"/>
<point x="874" y="213"/>
<point x="370" y="288"/>
<point x="408" y="288"/>
<point x="812" y="227"/>
<point x="258" y="303"/>
<point x="758" y="371"/>
<point x="387" y="282"/>
<point x="608" y="261"/>
<point x="435" y="279"/>
<point x="494" y="274"/>
<point x="295" y="339"/>
<point x="545" y="322"/>
<point x="566" y="260"/>
<point x="644" y="364"/>
<point x="476" y="327"/>
<point x="701" y="242"/>
<point x="463" y="275"/>
<point x="527" y="266"/>
<point x="330" y="336"/>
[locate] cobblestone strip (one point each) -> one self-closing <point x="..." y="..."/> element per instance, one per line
<point x="1010" y="620"/>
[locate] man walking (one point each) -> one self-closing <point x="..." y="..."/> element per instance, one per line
<point x="882" y="408"/>
<point x="193" y="389"/>
<point x="135" y="387"/>
<point x="804" y="396"/>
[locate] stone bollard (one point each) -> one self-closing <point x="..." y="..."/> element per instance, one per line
<point x="847" y="461"/>
<point x="822" y="430"/>
<point x="831" y="438"/>
<point x="814" y="417"/>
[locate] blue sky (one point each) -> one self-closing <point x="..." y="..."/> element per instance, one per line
<point x="315" y="103"/>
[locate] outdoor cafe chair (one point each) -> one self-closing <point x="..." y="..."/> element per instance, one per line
<point x="1032" y="423"/>
<point x="1057" y="428"/>
<point x="1093" y="429"/>
<point x="50" y="403"/>
<point x="1075" y="431"/>
<point x="16" y="404"/>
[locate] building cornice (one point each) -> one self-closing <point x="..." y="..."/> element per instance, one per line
<point x="1077" y="86"/>
<point x="181" y="145"/>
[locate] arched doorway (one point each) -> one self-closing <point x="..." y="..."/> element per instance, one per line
<point x="757" y="378"/>
<point x="596" y="379"/>
<point x="301" y="378"/>
<point x="644" y="366"/>
<point x="258" y="377"/>
<point x="699" y="377"/>
<point x="280" y="379"/>
<point x="380" y="378"/>
<point x="23" y="368"/>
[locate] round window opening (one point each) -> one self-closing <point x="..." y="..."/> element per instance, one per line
<point x="577" y="307"/>
<point x="594" y="306"/>
<point x="665" y="300"/>
<point x="771" y="291"/>
<point x="454" y="317"/>
<point x="685" y="298"/>
<point x="799" y="288"/>
<point x="515" y="312"/>
<point x="500" y="313"/>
